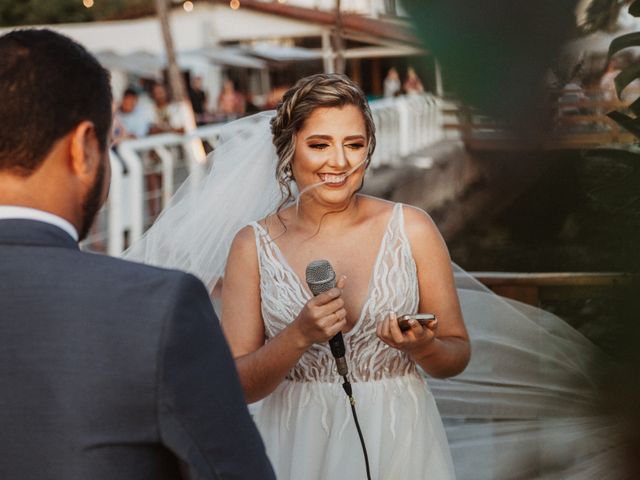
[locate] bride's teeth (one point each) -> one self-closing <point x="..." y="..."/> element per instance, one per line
<point x="333" y="178"/>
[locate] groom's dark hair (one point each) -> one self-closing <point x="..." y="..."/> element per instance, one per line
<point x="48" y="85"/>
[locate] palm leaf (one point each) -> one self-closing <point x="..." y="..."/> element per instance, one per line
<point x="625" y="121"/>
<point x="625" y="77"/>
<point x="634" y="9"/>
<point x="624" y="41"/>
<point x="635" y="107"/>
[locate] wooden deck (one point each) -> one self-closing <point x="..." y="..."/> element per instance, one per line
<point x="579" y="122"/>
<point x="537" y="288"/>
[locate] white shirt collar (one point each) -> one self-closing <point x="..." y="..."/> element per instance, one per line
<point x="25" y="213"/>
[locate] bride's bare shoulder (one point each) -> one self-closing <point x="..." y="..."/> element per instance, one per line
<point x="244" y="239"/>
<point x="375" y="209"/>
<point x="421" y="230"/>
<point x="418" y="224"/>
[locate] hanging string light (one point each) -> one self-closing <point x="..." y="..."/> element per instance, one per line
<point x="87" y="3"/>
<point x="234" y="4"/>
<point x="188" y="6"/>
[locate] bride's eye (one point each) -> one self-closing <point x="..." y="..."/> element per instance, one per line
<point x="355" y="146"/>
<point x="319" y="146"/>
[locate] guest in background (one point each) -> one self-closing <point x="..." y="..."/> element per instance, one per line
<point x="230" y="102"/>
<point x="275" y="96"/>
<point x="392" y="83"/>
<point x="412" y="84"/>
<point x="135" y="120"/>
<point x="169" y="116"/>
<point x="198" y="98"/>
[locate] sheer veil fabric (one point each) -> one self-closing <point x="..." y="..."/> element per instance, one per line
<point x="194" y="232"/>
<point x="522" y="409"/>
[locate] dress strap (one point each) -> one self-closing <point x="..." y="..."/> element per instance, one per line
<point x="397" y="225"/>
<point x="264" y="243"/>
<point x="262" y="239"/>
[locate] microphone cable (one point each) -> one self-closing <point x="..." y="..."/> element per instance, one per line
<point x="321" y="277"/>
<point x="346" y="386"/>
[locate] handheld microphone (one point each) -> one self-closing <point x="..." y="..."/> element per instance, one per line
<point x="320" y="278"/>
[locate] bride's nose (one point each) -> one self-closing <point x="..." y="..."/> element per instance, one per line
<point x="339" y="158"/>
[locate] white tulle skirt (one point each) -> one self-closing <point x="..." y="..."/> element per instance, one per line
<point x="309" y="432"/>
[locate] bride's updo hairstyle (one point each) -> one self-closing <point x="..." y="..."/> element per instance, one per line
<point x="298" y="103"/>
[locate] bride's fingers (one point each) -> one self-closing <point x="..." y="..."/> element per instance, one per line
<point x="394" y="328"/>
<point x="326" y="298"/>
<point x="332" y="318"/>
<point x="417" y="330"/>
<point x="341" y="314"/>
<point x="384" y="329"/>
<point x="341" y="282"/>
<point x="329" y="308"/>
<point x="433" y="326"/>
<point x="336" y="327"/>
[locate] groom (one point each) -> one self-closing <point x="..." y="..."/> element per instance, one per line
<point x="108" y="369"/>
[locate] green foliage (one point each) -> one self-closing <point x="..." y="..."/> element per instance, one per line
<point x="634" y="9"/>
<point x="494" y="54"/>
<point x="624" y="41"/>
<point x="632" y="125"/>
<point x="614" y="187"/>
<point x="42" y="12"/>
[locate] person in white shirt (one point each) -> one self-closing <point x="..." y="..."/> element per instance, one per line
<point x="135" y="119"/>
<point x="169" y="116"/>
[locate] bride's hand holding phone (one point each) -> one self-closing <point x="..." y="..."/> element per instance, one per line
<point x="410" y="333"/>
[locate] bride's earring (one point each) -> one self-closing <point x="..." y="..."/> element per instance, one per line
<point x="288" y="173"/>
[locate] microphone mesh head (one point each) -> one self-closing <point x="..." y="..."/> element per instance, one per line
<point x="320" y="276"/>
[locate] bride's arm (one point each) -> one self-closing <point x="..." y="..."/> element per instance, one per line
<point x="262" y="366"/>
<point x="444" y="351"/>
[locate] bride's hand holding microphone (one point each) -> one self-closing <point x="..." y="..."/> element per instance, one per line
<point x="323" y="316"/>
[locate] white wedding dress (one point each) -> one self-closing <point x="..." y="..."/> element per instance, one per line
<point x="307" y="424"/>
<point x="524" y="408"/>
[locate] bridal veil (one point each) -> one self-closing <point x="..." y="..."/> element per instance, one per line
<point x="523" y="408"/>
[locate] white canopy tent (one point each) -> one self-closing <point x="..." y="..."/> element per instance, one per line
<point x="202" y="41"/>
<point x="135" y="47"/>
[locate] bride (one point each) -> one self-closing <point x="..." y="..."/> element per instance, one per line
<point x="392" y="261"/>
<point x="278" y="198"/>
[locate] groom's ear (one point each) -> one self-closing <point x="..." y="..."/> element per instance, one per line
<point x="84" y="152"/>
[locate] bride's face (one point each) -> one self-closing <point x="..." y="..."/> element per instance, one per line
<point x="330" y="154"/>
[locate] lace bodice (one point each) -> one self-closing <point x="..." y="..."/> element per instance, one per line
<point x="392" y="287"/>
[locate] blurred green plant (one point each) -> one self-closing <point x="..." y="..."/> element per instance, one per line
<point x="627" y="158"/>
<point x="620" y="196"/>
<point x="495" y="54"/>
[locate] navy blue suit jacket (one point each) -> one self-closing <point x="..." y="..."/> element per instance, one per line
<point x="113" y="370"/>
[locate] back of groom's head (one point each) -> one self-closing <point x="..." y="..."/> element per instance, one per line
<point x="48" y="85"/>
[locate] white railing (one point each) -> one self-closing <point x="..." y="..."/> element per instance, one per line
<point x="405" y="125"/>
<point x="147" y="171"/>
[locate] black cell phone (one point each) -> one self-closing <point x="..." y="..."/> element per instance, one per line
<point x="422" y="318"/>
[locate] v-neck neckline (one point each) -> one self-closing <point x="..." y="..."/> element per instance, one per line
<point x="305" y="289"/>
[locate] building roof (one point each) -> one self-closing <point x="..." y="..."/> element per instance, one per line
<point x="383" y="28"/>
